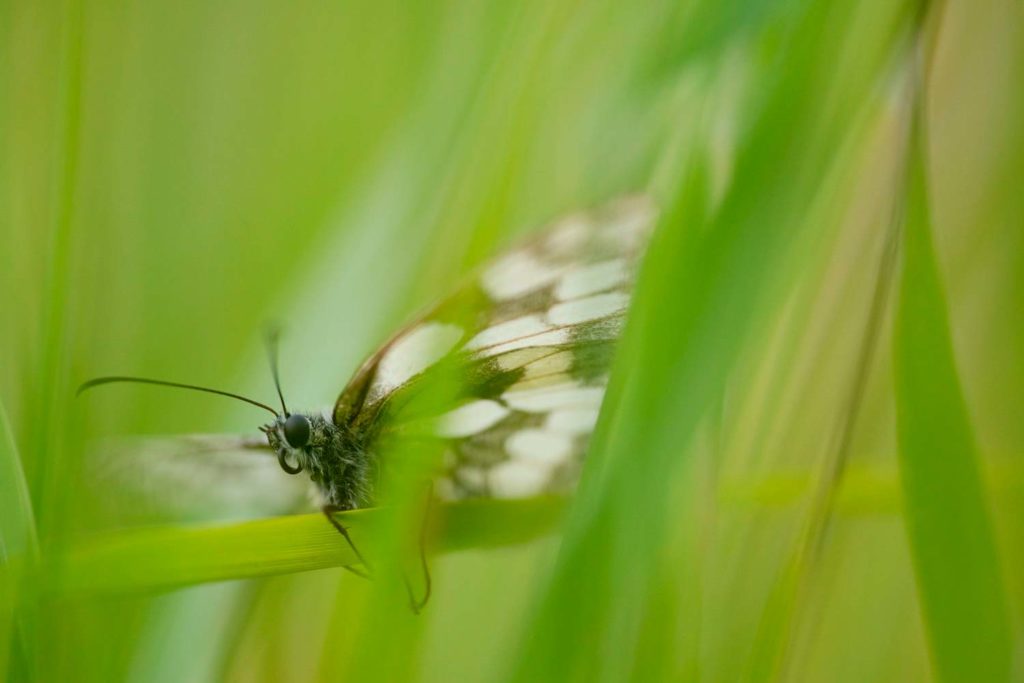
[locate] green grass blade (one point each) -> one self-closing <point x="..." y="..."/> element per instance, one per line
<point x="161" y="558"/>
<point x="123" y="562"/>
<point x="18" y="544"/>
<point x="175" y="175"/>
<point x="17" y="523"/>
<point x="711" y="278"/>
<point x="951" y="538"/>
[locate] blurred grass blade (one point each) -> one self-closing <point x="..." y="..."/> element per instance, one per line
<point x="951" y="538"/>
<point x="161" y="558"/>
<point x="175" y="174"/>
<point x="137" y="560"/>
<point x="712" y="276"/>
<point x="17" y="532"/>
<point x="705" y="29"/>
<point x="788" y="600"/>
<point x="17" y="523"/>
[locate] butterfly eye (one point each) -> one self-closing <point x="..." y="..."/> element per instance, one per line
<point x="296" y="431"/>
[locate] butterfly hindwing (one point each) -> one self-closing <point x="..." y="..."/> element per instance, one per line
<point x="522" y="353"/>
<point x="530" y="438"/>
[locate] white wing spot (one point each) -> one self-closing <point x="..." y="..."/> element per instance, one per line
<point x="472" y="477"/>
<point x="539" y="446"/>
<point x="572" y="420"/>
<point x="545" y="371"/>
<point x="569" y="235"/>
<point x="517" y="479"/>
<point x="550" y="338"/>
<point x="413" y="353"/>
<point x="471" y="418"/>
<point x="634" y="219"/>
<point x="590" y="308"/>
<point x="553" y="364"/>
<point x="548" y="399"/>
<point x="517" y="274"/>
<point x="508" y="331"/>
<point x="517" y="359"/>
<point x="591" y="279"/>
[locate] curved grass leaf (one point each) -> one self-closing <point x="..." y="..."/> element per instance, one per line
<point x="951" y="538"/>
<point x="170" y="557"/>
<point x="161" y="558"/>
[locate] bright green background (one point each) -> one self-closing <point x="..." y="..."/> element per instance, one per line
<point x="809" y="467"/>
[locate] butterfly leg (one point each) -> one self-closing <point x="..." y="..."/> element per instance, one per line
<point x="329" y="511"/>
<point x="418" y="605"/>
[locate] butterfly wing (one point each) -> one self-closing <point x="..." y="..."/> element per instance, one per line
<point x="529" y="341"/>
<point x="191" y="477"/>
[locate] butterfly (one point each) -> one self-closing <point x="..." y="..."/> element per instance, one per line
<point x="522" y="351"/>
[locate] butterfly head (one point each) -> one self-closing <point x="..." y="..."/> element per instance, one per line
<point x="299" y="440"/>
<point x="307" y="442"/>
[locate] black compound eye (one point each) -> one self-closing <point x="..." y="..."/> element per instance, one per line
<point x="296" y="431"/>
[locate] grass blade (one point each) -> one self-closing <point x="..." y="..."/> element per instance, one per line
<point x="170" y="557"/>
<point x="17" y="522"/>
<point x="712" y="274"/>
<point x="18" y="544"/>
<point x="950" y="533"/>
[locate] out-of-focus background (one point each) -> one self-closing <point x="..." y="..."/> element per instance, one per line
<point x="810" y="464"/>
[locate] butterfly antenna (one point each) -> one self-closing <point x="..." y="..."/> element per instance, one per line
<point x="273" y="334"/>
<point x="177" y="385"/>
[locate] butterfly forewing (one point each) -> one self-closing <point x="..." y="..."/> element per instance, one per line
<point x="200" y="476"/>
<point x="528" y="342"/>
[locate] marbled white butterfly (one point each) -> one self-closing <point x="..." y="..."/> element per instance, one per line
<point x="529" y="341"/>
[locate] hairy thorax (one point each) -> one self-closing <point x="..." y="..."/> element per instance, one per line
<point x="334" y="460"/>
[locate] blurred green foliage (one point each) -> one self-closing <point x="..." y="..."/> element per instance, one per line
<point x="794" y="478"/>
